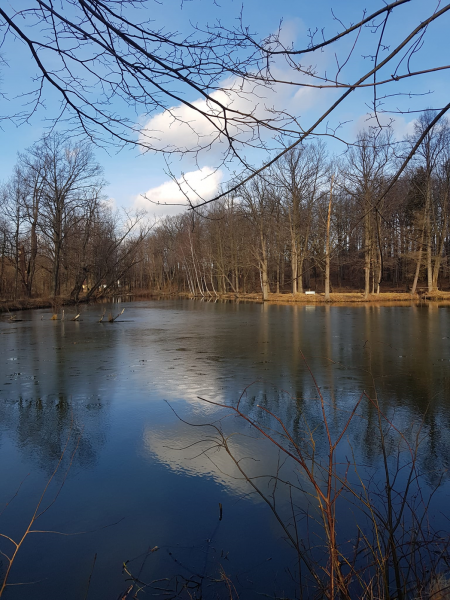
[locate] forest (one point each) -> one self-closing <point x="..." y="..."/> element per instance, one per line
<point x="312" y="221"/>
<point x="59" y="234"/>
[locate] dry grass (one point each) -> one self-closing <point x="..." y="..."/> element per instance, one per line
<point x="336" y="298"/>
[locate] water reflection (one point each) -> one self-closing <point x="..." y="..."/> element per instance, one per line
<point x="41" y="427"/>
<point x="106" y="383"/>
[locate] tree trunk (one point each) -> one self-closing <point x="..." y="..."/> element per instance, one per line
<point x="440" y="250"/>
<point x="33" y="254"/>
<point x="56" y="268"/>
<point x="294" y="265"/>
<point x="300" y="274"/>
<point x="429" y="246"/>
<point x="419" y="261"/>
<point x="367" y="253"/>
<point x="264" y="269"/>
<point x="327" y="244"/>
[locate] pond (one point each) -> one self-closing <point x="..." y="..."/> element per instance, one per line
<point x="109" y="415"/>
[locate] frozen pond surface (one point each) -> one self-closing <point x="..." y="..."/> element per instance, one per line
<point x="137" y="478"/>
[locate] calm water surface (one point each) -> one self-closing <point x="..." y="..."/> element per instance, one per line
<point x="114" y="397"/>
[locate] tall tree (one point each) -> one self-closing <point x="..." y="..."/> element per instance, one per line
<point x="299" y="176"/>
<point x="71" y="182"/>
<point x="259" y="203"/>
<point x="368" y="163"/>
<point x="435" y="141"/>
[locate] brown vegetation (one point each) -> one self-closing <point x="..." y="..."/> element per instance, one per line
<point x="365" y="532"/>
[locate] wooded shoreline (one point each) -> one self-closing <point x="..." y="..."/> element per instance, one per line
<point x="335" y="298"/>
<point x="286" y="298"/>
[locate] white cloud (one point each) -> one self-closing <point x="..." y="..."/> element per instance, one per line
<point x="166" y="198"/>
<point x="399" y="125"/>
<point x="186" y="128"/>
<point x="198" y="128"/>
<point x="179" y="447"/>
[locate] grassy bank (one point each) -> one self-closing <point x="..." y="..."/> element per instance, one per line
<point x="319" y="298"/>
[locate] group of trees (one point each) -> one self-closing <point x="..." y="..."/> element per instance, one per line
<point x="377" y="216"/>
<point x="58" y="235"/>
<point x="309" y="215"/>
<point x="309" y="221"/>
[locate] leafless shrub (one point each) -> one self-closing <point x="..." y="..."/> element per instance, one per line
<point x="358" y="532"/>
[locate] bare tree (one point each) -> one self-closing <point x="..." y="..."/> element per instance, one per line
<point x="71" y="179"/>
<point x="115" y="250"/>
<point x="107" y="61"/>
<point x="259" y="205"/>
<point x="368" y="164"/>
<point x="14" y="193"/>
<point x="327" y="243"/>
<point x="434" y="143"/>
<point x="34" y="182"/>
<point x="299" y="176"/>
<point x="283" y="228"/>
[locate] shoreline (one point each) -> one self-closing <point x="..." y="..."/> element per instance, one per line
<point x="318" y="298"/>
<point x="339" y="297"/>
<point x="31" y="303"/>
<point x="285" y="298"/>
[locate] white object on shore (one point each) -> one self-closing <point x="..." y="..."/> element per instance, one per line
<point x="310" y="292"/>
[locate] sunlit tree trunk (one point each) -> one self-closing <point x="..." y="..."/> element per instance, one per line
<point x="327" y="244"/>
<point x="367" y="249"/>
<point x="440" y="249"/>
<point x="419" y="262"/>
<point x="264" y="268"/>
<point x="429" y="240"/>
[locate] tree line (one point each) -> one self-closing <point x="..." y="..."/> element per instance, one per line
<point x="313" y="221"/>
<point x="310" y="222"/>
<point x="58" y="235"/>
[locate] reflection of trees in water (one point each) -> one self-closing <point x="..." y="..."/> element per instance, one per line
<point x="381" y="495"/>
<point x="302" y="416"/>
<point x="398" y="355"/>
<point x="40" y="428"/>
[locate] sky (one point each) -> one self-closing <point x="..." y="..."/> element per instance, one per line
<point x="132" y="174"/>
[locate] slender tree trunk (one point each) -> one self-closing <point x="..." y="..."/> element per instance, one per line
<point x="16" y="254"/>
<point x="33" y="254"/>
<point x="377" y="253"/>
<point x="212" y="283"/>
<point x="2" y="271"/>
<point x="300" y="274"/>
<point x="264" y="269"/>
<point x="419" y="262"/>
<point x="327" y="244"/>
<point x="194" y="265"/>
<point x="294" y="265"/>
<point x="367" y="252"/>
<point x="440" y="250"/>
<point x="56" y="269"/>
<point x="429" y="245"/>
<point x="301" y="262"/>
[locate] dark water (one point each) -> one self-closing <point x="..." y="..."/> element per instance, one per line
<point x="111" y="400"/>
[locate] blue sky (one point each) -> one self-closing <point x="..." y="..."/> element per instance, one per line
<point x="131" y="173"/>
